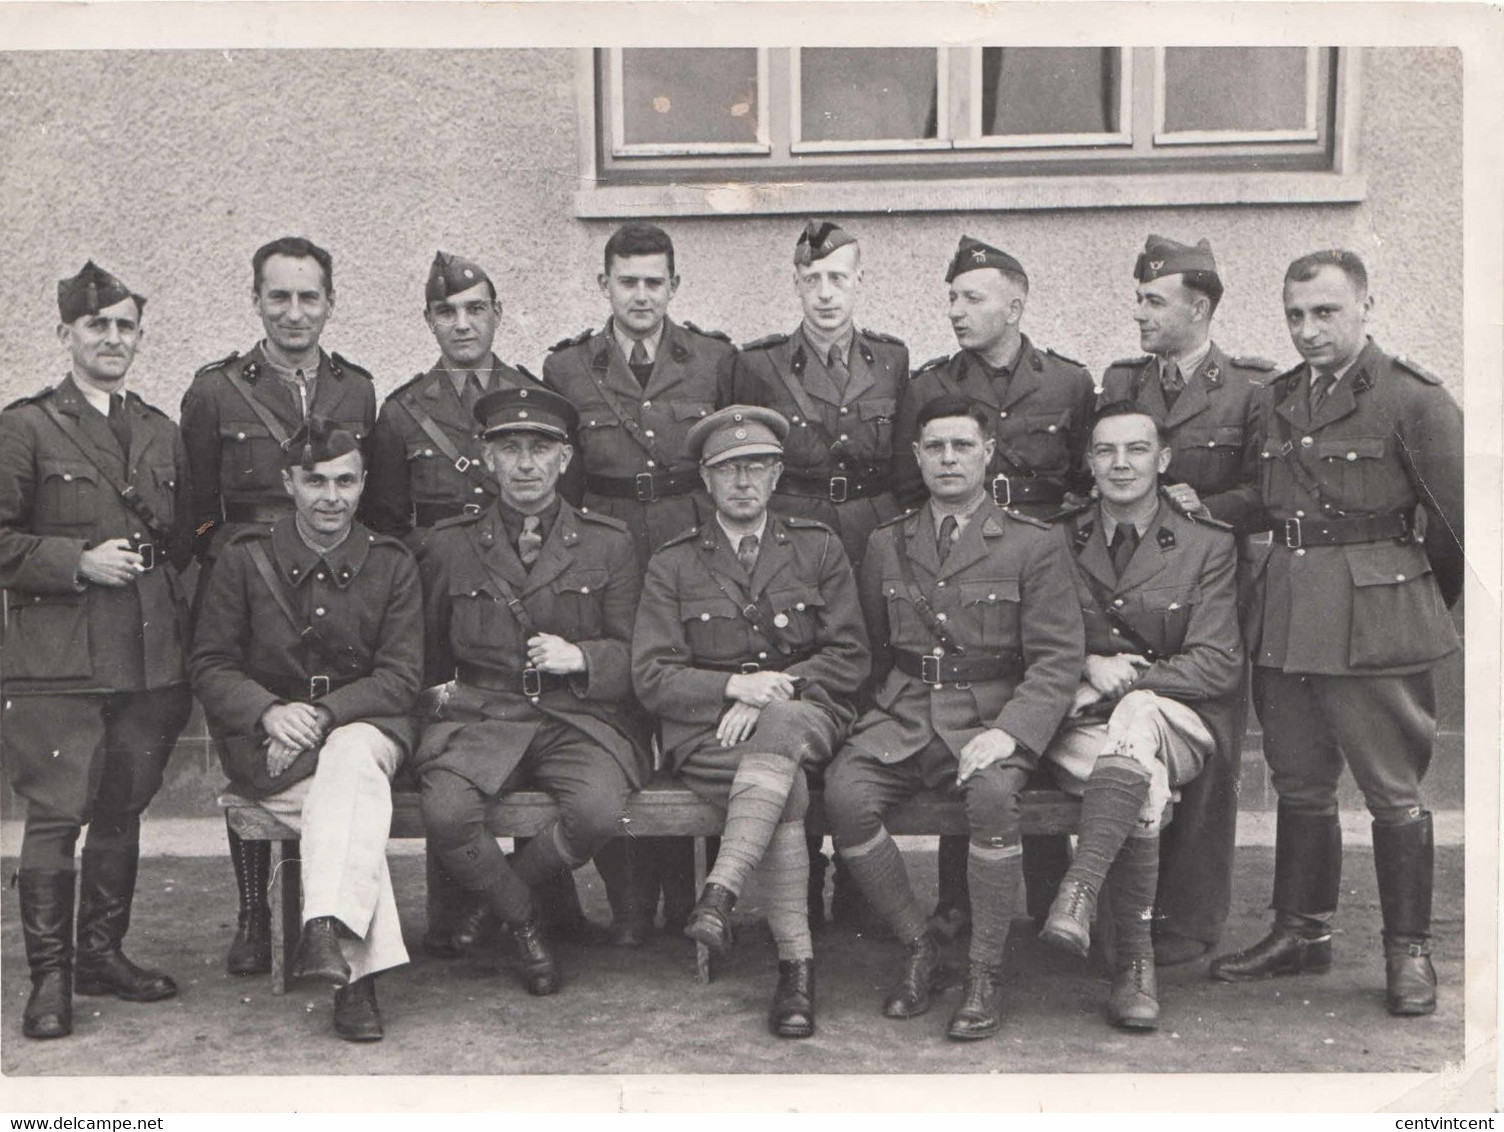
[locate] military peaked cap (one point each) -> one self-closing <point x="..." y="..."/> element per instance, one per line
<point x="526" y="410"/>
<point x="737" y="430"/>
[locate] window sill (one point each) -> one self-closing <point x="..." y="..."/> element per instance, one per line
<point x="1011" y="194"/>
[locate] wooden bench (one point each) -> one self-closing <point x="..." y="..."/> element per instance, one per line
<point x="663" y="808"/>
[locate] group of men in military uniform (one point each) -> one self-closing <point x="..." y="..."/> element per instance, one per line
<point x="784" y="560"/>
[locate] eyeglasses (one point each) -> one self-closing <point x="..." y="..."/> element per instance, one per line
<point x="732" y="468"/>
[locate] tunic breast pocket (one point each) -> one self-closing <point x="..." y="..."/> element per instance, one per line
<point x="877" y="422"/>
<point x="715" y="630"/>
<point x="430" y="473"/>
<point x="249" y="459"/>
<point x="46" y="637"/>
<point x="1040" y="438"/>
<point x="796" y="616"/>
<point x="1167" y="614"/>
<point x="67" y="494"/>
<point x="1209" y="459"/>
<point x="989" y="612"/>
<point x="577" y="604"/>
<point x="163" y="480"/>
<point x="1354" y="468"/>
<point x="481" y="625"/>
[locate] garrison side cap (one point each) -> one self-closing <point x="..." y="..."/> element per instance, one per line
<point x="1162" y="256"/>
<point x="91" y="291"/>
<point x="973" y="254"/>
<point x="451" y="274"/>
<point x="818" y="240"/>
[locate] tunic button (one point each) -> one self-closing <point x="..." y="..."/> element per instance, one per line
<point x="651" y="464"/>
<point x="940" y="585"/>
<point x="939" y="617"/>
<point x="1002" y="416"/>
<point x="1301" y="553"/>
<point x="1300" y="514"/>
<point x="1211" y="443"/>
<point x="762" y="656"/>
<point x="584" y="589"/>
<point x="843" y="410"/>
<point x="1399" y="577"/>
<point x="1115" y="633"/>
<point x="647" y="404"/>
<point x="67" y="477"/>
<point x="799" y="605"/>
<point x="532" y="699"/>
<point x="240" y="436"/>
<point x="845" y="437"/>
<point x="1118" y="602"/>
<point x="1352" y="455"/>
<point x="428" y="451"/>
<point x="319" y="612"/>
<point x="480" y="491"/>
<point x="992" y="597"/>
<point x="1053" y="428"/>
<point x="320" y="575"/>
<point x="648" y="433"/>
<point x="704" y="617"/>
<point x="1306" y="442"/>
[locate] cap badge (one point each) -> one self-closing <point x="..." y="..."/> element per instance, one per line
<point x="781" y="620"/>
<point x="522" y="414"/>
<point x="1156" y="264"/>
<point x="741" y="433"/>
<point x="469" y="274"/>
<point x="978" y="254"/>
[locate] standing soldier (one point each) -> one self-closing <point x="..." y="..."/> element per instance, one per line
<point x="977" y="651"/>
<point x="1038" y="405"/>
<point x="639" y="386"/>
<point x="1361" y="482"/>
<point x="840" y="389"/>
<point x="1208" y="402"/>
<point x="426" y="466"/>
<point x="237" y="418"/>
<point x="306" y="657"/>
<point x="93" y="512"/>
<point x="750" y="649"/>
<point x="529" y="610"/>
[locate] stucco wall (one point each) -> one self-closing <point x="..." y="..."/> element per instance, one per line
<point x="169" y="168"/>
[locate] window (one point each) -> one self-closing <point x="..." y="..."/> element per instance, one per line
<point x="706" y="120"/>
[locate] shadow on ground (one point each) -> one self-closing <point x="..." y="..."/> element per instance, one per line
<point x="642" y="1012"/>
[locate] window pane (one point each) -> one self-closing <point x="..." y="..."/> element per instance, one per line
<point x="862" y="94"/>
<point x="676" y="95"/>
<point x="1050" y="90"/>
<point x="1235" y="88"/>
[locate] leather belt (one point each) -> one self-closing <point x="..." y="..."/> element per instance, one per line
<point x="148" y="553"/>
<point x="837" y="488"/>
<point x="773" y="663"/>
<point x="1007" y="490"/>
<point x="525" y="682"/>
<point x="938" y="670"/>
<point x="240" y="512"/>
<point x="645" y="487"/>
<point x="1297" y="533"/>
<point x="298" y="690"/>
<point x="428" y="514"/>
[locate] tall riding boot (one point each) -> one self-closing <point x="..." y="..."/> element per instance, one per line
<point x="626" y="867"/>
<point x="1403" y="857"/>
<point x="107" y="886"/>
<point x="447" y="903"/>
<point x="251" y="950"/>
<point x="47" y="925"/>
<point x="1307" y="872"/>
<point x="952" y="914"/>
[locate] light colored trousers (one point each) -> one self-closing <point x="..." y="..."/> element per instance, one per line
<point x="343" y="813"/>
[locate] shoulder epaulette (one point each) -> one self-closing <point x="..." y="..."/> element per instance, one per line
<point x="766" y="343"/>
<point x="136" y="399"/>
<point x="877" y="336"/>
<point x="719" y="336"/>
<point x="1417" y="370"/>
<point x="463" y="519"/>
<point x="687" y="535"/>
<point x="895" y="520"/>
<point x="341" y="364"/>
<point x="1020" y="517"/>
<point x="1251" y="361"/>
<point x="1132" y="363"/>
<point x="224" y="361"/>
<point x="1208" y="521"/>
<point x="527" y="373"/>
<point x="1288" y="374"/>
<point x="600" y="518"/>
<point x="32" y="400"/>
<point x="565" y="343"/>
<point x="378" y="539"/>
<point x="1070" y="512"/>
<point x="804" y="523"/>
<point x="933" y="363"/>
<point x="1050" y="350"/>
<point x="406" y="385"/>
<point x="245" y="534"/>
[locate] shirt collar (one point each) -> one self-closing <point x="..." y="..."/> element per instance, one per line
<point x="1110" y="525"/>
<point x="96" y="397"/>
<point x="821" y="343"/>
<point x="1189" y="363"/>
<point x="625" y="341"/>
<point x="735" y="540"/>
<point x="962" y="517"/>
<point x="291" y="373"/>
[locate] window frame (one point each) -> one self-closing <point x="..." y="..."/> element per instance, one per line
<point x="1311" y="132"/>
<point x="1119" y="138"/>
<point x="620" y="147"/>
<point x="939" y="143"/>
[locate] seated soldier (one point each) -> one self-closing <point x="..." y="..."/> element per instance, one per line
<point x="1160" y="691"/>
<point x="749" y="646"/>
<point x="528" y="610"/>
<point x="977" y="647"/>
<point x="307" y="657"/>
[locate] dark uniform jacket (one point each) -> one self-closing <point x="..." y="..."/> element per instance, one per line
<point x="362" y="598"/>
<point x="63" y="635"/>
<point x="691" y="633"/>
<point x="1178" y="600"/>
<point x="236" y="459"/>
<point x="583" y="587"/>
<point x="1213" y="424"/>
<point x="1006" y="585"/>
<point x="411" y="480"/>
<point x="1040" y="415"/>
<point x="629" y="432"/>
<point x="1388" y="439"/>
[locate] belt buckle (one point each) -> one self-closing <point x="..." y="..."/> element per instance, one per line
<point x="748" y="667"/>
<point x="1293" y="538"/>
<point x="646" y="489"/>
<point x="470" y="509"/>
<point x="318" y="687"/>
<point x="1007" y="496"/>
<point x="462" y="464"/>
<point x="929" y="669"/>
<point x="532" y="682"/>
<point x="838" y="493"/>
<point x="148" y="553"/>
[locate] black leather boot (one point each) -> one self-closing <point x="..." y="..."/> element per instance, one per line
<point x="1047" y="858"/>
<point x="980" y="1014"/>
<point x="251" y="950"/>
<point x="47" y="926"/>
<point x="107" y="886"/>
<point x="1307" y="872"/>
<point x="952" y="914"/>
<point x="1132" y="880"/>
<point x="356" y="1016"/>
<point x="540" y="974"/>
<point x="320" y="956"/>
<point x="1404" y="858"/>
<point x="818" y="864"/>
<point x="674" y="861"/>
<point x="1068" y="926"/>
<point x="710" y="922"/>
<point x="913" y="994"/>
<point x="626" y="868"/>
<point x="793" y="1013"/>
<point x="447" y="903"/>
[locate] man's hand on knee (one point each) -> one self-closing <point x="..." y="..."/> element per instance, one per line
<point x="294" y="725"/>
<point x="1113" y="676"/>
<point x="992" y="746"/>
<point x="280" y="756"/>
<point x="737" y="724"/>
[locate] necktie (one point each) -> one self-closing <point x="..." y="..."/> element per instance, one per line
<point x="1124" y="543"/>
<point x="746" y="552"/>
<point x="470" y="390"/>
<point x="948" y="527"/>
<point x="838" y="369"/>
<point x="641" y="367"/>
<point x="301" y="381"/>
<point x="530" y="541"/>
<point x="1321" y="385"/>
<point x="120" y="425"/>
<point x="1171" y="381"/>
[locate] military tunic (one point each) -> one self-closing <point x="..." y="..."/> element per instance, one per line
<point x="236" y="457"/>
<point x="412" y="481"/>
<point x="838" y="457"/>
<point x="631" y="463"/>
<point x="1040" y="409"/>
<point x="362" y="599"/>
<point x="692" y="634"/>
<point x="71" y="647"/>
<point x="1340" y="591"/>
